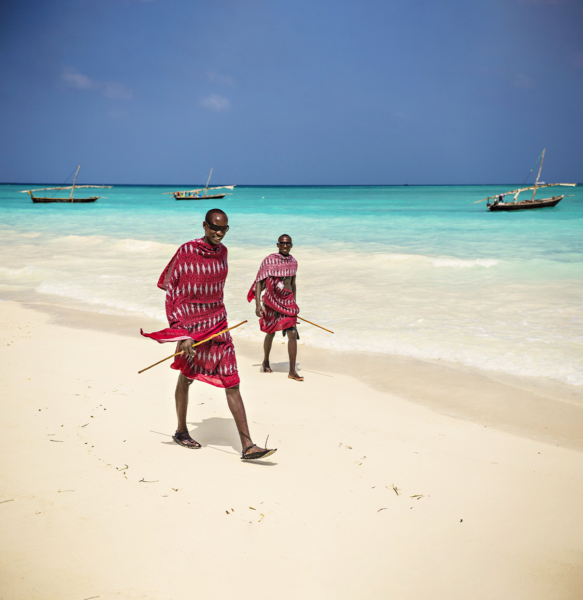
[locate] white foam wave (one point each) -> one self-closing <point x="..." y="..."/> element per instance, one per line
<point x="460" y="263"/>
<point x="529" y="364"/>
<point x="145" y="246"/>
<point x="428" y="307"/>
<point x="104" y="300"/>
<point x="23" y="273"/>
<point x="436" y="261"/>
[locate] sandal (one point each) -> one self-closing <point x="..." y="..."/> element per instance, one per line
<point x="256" y="455"/>
<point x="295" y="377"/>
<point x="182" y="438"/>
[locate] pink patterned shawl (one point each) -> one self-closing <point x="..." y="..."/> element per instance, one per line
<point x="194" y="281"/>
<point x="280" y="306"/>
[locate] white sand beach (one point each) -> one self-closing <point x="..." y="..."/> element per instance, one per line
<point x="371" y="494"/>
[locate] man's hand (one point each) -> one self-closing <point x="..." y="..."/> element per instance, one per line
<point x="187" y="348"/>
<point x="259" y="310"/>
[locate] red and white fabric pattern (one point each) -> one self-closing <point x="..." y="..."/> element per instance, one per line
<point x="194" y="282"/>
<point x="280" y="306"/>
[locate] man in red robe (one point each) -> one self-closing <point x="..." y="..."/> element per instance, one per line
<point x="194" y="281"/>
<point x="277" y="280"/>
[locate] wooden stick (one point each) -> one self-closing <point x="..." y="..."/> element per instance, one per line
<point x="310" y="322"/>
<point x="193" y="345"/>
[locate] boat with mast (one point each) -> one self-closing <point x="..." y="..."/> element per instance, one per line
<point x="499" y="204"/>
<point x="196" y="194"/>
<point x="70" y="187"/>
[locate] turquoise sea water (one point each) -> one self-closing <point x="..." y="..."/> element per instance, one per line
<point x="417" y="271"/>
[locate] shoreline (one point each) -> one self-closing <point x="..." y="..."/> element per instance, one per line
<point x="536" y="408"/>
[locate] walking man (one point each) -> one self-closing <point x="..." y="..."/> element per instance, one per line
<point x="194" y="281"/>
<point x="277" y="280"/>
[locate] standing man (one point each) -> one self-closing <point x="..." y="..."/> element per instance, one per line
<point x="194" y="281"/>
<point x="277" y="279"/>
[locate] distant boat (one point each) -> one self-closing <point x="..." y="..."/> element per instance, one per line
<point x="196" y="194"/>
<point x="499" y="204"/>
<point x="70" y="187"/>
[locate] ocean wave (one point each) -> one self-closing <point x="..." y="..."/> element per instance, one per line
<point x="23" y="273"/>
<point x="145" y="246"/>
<point x="474" y="311"/>
<point x="104" y="302"/>
<point x="102" y="243"/>
<point x="12" y="235"/>
<point x="436" y="261"/>
<point x="552" y="365"/>
<point x="461" y="263"/>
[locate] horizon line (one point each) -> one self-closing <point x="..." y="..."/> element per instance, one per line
<point x="295" y="185"/>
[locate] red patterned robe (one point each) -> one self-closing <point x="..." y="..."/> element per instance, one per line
<point x="280" y="306"/>
<point x="194" y="281"/>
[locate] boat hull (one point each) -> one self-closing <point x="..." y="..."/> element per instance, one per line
<point x="68" y="200"/>
<point x="544" y="203"/>
<point x="217" y="197"/>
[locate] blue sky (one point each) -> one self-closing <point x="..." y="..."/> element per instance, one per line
<point x="281" y="92"/>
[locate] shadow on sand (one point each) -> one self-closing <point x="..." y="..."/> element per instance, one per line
<point x="219" y="431"/>
<point x="281" y="367"/>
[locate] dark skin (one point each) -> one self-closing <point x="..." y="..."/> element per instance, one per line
<point x="284" y="245"/>
<point x="234" y="399"/>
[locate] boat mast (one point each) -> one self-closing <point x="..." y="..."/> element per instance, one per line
<point x="74" y="181"/>
<point x="206" y="190"/>
<point x="538" y="176"/>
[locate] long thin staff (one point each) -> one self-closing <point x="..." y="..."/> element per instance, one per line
<point x="193" y="345"/>
<point x="310" y="322"/>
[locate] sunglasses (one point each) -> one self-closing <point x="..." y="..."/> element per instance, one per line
<point x="285" y="243"/>
<point x="217" y="227"/>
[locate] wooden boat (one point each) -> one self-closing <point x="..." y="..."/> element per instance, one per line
<point x="525" y="204"/>
<point x="500" y="206"/>
<point x="196" y="194"/>
<point x="46" y="200"/>
<point x="70" y="198"/>
<point x="192" y="195"/>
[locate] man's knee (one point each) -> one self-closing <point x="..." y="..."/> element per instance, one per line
<point x="182" y="378"/>
<point x="234" y="387"/>
<point x="292" y="334"/>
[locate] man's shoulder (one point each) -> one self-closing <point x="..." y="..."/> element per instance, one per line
<point x="197" y="248"/>
<point x="191" y="246"/>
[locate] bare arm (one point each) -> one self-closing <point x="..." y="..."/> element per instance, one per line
<point x="258" y="307"/>
<point x="293" y="286"/>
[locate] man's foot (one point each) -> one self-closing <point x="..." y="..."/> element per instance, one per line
<point x="254" y="452"/>
<point x="184" y="439"/>
<point x="293" y="375"/>
<point x="265" y="368"/>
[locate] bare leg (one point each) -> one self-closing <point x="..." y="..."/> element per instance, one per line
<point x="181" y="396"/>
<point x="266" y="350"/>
<point x="292" y="348"/>
<point x="238" y="411"/>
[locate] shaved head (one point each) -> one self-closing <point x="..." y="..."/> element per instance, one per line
<point x="284" y="235"/>
<point x="212" y="212"/>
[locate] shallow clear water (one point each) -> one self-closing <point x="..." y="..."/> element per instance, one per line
<point x="417" y="271"/>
